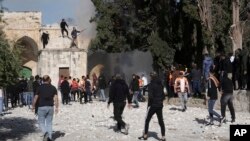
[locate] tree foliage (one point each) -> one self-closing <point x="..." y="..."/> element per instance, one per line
<point x="9" y="62"/>
<point x="173" y="31"/>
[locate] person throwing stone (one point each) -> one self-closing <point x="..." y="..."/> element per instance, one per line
<point x="155" y="105"/>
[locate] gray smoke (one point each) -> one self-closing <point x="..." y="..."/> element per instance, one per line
<point x="126" y="63"/>
<point x="84" y="11"/>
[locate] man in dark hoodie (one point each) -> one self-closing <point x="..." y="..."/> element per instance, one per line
<point x="65" y="89"/>
<point x="63" y="26"/>
<point x="155" y="105"/>
<point x="118" y="94"/>
<point x="227" y="97"/>
<point x="243" y="68"/>
<point x="226" y="66"/>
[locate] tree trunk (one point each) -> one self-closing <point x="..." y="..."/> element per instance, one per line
<point x="236" y="31"/>
<point x="205" y="14"/>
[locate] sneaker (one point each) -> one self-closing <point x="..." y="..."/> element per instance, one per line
<point x="142" y="138"/>
<point x="183" y="110"/>
<point x="125" y="130"/>
<point x="46" y="136"/>
<point x="210" y="123"/>
<point x="222" y="120"/>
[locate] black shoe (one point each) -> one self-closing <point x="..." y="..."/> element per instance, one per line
<point x="185" y="107"/>
<point x="136" y="106"/>
<point x="46" y="136"/>
<point x="142" y="138"/>
<point x="233" y="120"/>
<point x="210" y="123"/>
<point x="183" y="110"/>
<point x="163" y="139"/>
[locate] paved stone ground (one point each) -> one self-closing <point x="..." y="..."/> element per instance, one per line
<point x="93" y="122"/>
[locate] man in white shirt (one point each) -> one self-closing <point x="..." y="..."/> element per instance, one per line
<point x="181" y="87"/>
<point x="145" y="83"/>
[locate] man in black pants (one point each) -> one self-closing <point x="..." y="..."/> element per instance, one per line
<point x="65" y="89"/>
<point x="118" y="94"/>
<point x="155" y="105"/>
<point x="63" y="26"/>
<point x="45" y="38"/>
<point x="227" y="98"/>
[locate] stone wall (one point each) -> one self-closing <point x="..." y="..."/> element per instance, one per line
<point x="53" y="59"/>
<point x="56" y="40"/>
<point x="20" y="24"/>
<point x="28" y="25"/>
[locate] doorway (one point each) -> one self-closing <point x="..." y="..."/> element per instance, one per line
<point x="64" y="71"/>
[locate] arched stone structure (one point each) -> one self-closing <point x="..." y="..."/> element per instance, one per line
<point x="29" y="53"/>
<point x="22" y="24"/>
<point x="26" y="28"/>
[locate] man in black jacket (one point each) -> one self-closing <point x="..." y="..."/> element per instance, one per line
<point x="63" y="26"/>
<point x="134" y="89"/>
<point x="45" y="38"/>
<point x="118" y="94"/>
<point x="65" y="89"/>
<point x="155" y="105"/>
<point x="227" y="98"/>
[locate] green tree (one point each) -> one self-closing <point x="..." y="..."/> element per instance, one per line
<point x="183" y="28"/>
<point x="125" y="25"/>
<point x="9" y="62"/>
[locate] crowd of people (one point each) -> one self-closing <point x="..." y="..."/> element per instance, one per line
<point x="237" y="67"/>
<point x="223" y="74"/>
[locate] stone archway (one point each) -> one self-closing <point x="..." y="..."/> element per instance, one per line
<point x="29" y="53"/>
<point x="96" y="71"/>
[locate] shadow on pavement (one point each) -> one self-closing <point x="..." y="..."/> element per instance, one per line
<point x="16" y="128"/>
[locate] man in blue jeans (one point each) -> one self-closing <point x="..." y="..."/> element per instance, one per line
<point x="212" y="96"/>
<point x="134" y="89"/>
<point x="46" y="96"/>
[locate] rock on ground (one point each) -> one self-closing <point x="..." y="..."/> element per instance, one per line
<point x="94" y="122"/>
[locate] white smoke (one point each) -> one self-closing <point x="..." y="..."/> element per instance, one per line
<point x="85" y="10"/>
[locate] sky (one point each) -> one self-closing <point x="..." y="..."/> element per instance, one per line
<point x="52" y="10"/>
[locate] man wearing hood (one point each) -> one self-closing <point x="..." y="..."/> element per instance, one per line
<point x="118" y="94"/>
<point x="155" y="105"/>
